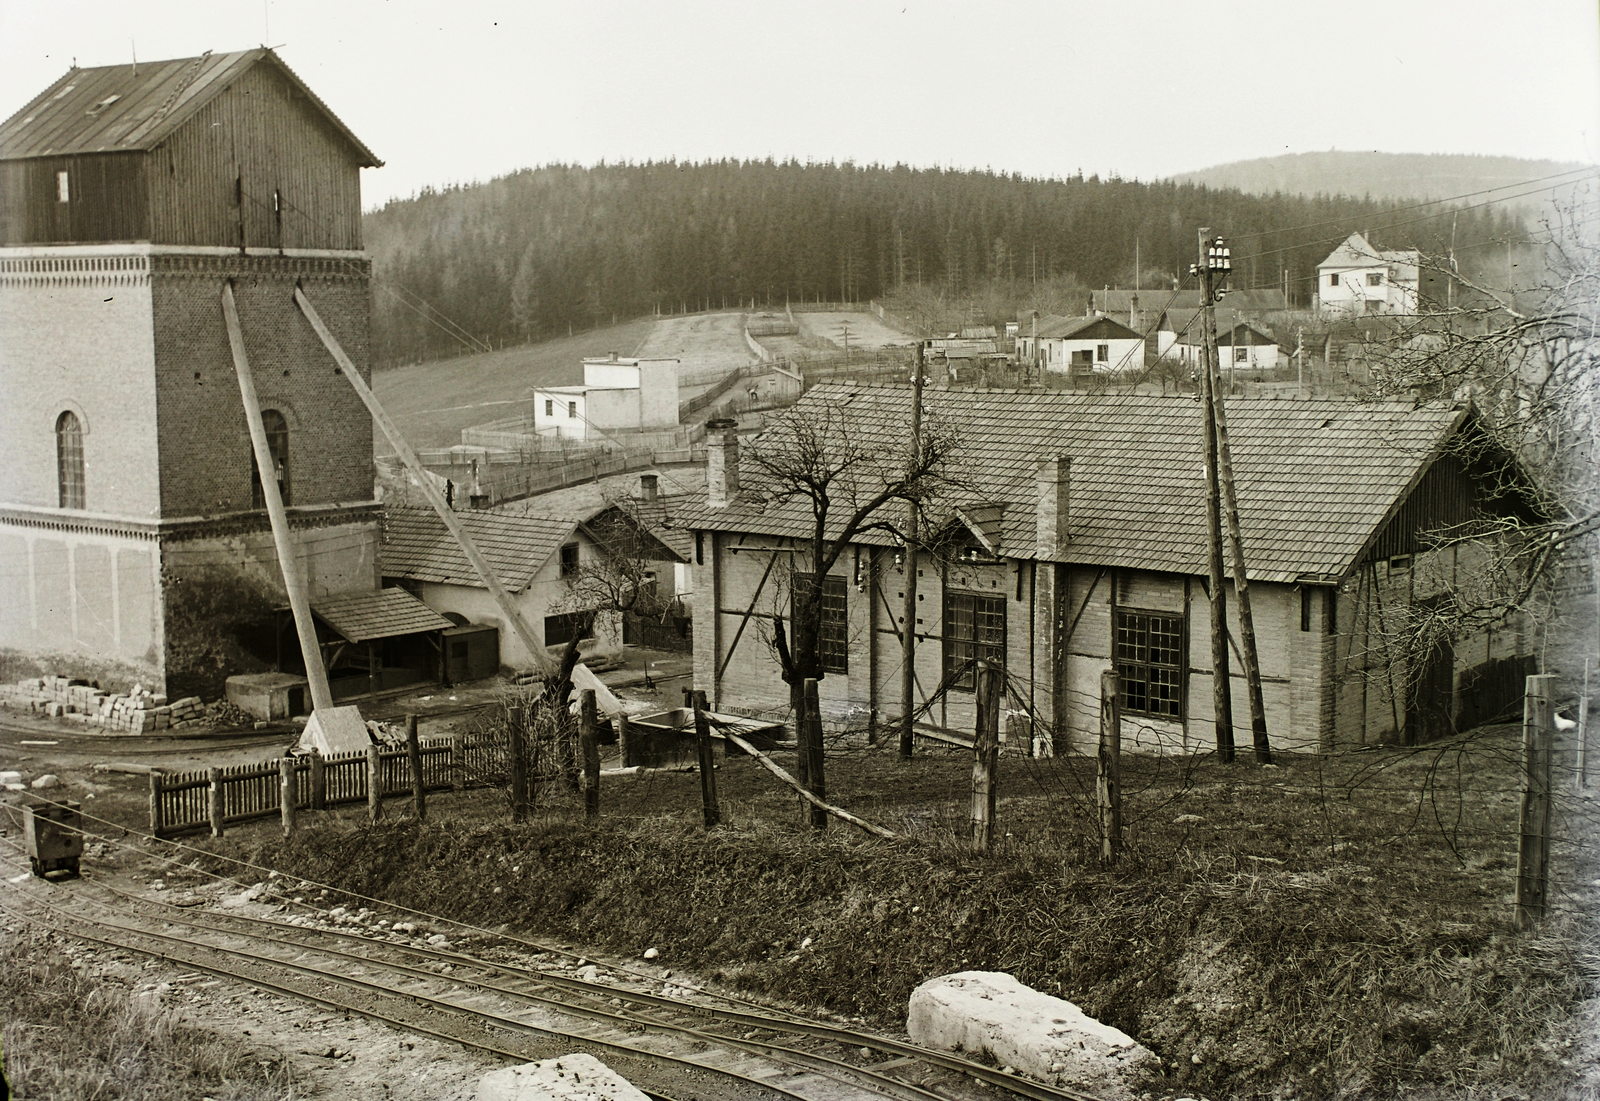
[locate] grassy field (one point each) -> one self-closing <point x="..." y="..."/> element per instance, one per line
<point x="1328" y="927"/>
<point x="433" y="402"/>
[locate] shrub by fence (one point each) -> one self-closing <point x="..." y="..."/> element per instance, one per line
<point x="219" y="797"/>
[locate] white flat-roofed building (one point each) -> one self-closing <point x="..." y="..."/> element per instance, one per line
<point x="617" y="394"/>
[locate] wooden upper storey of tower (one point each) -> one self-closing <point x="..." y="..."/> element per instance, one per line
<point x="227" y="150"/>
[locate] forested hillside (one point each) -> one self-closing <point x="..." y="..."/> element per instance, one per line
<point x="542" y="251"/>
<point x="1386" y="177"/>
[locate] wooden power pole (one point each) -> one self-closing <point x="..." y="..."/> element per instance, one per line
<point x="908" y="637"/>
<point x="1218" y="264"/>
<point x="1221" y="688"/>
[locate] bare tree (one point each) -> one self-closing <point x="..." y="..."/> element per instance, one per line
<point x="1526" y="358"/>
<point x="846" y="474"/>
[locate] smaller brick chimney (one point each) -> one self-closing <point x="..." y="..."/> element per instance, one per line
<point x="1054" y="482"/>
<point x="722" y="463"/>
<point x="648" y="487"/>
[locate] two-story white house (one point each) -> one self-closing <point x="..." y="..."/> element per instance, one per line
<point x="1358" y="279"/>
<point x="617" y="394"/>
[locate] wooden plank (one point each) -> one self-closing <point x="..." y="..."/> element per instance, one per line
<point x="777" y="770"/>
<point x="480" y="564"/>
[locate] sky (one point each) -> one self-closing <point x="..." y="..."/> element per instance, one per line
<point x="449" y="93"/>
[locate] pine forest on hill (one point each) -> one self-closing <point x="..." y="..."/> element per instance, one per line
<point x="544" y="252"/>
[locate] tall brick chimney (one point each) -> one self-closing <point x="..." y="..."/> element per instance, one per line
<point x="722" y="463"/>
<point x="1054" y="482"/>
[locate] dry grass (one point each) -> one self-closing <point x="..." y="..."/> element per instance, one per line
<point x="1327" y="928"/>
<point x="73" y="1036"/>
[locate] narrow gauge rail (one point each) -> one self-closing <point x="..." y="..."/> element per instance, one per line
<point x="811" y="1074"/>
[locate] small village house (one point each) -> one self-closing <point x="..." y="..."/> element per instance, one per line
<point x="537" y="559"/>
<point x="1357" y="279"/>
<point x="617" y="395"/>
<point x="1079" y="547"/>
<point x="1241" y="345"/>
<point x="1090" y="345"/>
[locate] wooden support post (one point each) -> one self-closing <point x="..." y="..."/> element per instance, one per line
<point x="1533" y="837"/>
<point x="287" y="792"/>
<point x="985" y="754"/>
<point x="391" y="432"/>
<point x="1221" y="687"/>
<point x="624" y="741"/>
<point x="811" y="750"/>
<point x="319" y="782"/>
<point x="908" y="637"/>
<point x="156" y="823"/>
<point x="516" y="750"/>
<point x="1583" y="730"/>
<point x="218" y="811"/>
<point x="708" y="762"/>
<point x="414" y="755"/>
<point x="1108" y="770"/>
<point x="374" y="784"/>
<point x="589" y="747"/>
<point x="283" y="543"/>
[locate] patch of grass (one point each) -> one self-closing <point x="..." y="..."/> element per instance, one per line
<point x="1329" y="927"/>
<point x="70" y="1034"/>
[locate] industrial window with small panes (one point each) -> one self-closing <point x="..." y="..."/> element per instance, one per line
<point x="974" y="630"/>
<point x="1150" y="663"/>
<point x="833" y="643"/>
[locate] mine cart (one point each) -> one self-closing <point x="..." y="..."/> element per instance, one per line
<point x="53" y="833"/>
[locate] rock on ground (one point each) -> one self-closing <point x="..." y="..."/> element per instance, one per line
<point x="569" y="1078"/>
<point x="1031" y="1032"/>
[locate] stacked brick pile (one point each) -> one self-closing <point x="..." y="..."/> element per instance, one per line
<point x="136" y="712"/>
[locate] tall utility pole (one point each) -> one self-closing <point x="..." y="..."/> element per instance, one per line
<point x="1218" y="263"/>
<point x="908" y="637"/>
<point x="1221" y="689"/>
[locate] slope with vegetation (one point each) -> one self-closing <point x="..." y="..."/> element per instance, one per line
<point x="542" y="252"/>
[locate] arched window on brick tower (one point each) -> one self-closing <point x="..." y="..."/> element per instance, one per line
<point x="69" y="461"/>
<point x="278" y="444"/>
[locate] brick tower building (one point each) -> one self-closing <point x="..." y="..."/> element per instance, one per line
<point x="134" y="543"/>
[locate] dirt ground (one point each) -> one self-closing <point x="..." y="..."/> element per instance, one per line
<point x="700" y="342"/>
<point x="867" y="333"/>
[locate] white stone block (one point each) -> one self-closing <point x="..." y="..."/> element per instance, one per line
<point x="569" y="1078"/>
<point x="1047" y="1038"/>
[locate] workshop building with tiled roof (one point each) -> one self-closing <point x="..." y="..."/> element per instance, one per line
<point x="1078" y="546"/>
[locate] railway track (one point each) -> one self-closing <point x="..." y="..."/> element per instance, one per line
<point x="507" y="1006"/>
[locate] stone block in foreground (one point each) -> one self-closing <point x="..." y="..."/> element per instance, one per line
<point x="569" y="1078"/>
<point x="1031" y="1032"/>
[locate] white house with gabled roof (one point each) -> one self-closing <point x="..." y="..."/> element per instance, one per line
<point x="1357" y="279"/>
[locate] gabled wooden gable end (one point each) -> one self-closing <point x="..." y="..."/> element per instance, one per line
<point x="1337" y="523"/>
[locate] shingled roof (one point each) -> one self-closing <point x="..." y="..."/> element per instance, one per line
<point x="1316" y="479"/>
<point x="119" y="108"/>
<point x="382" y="614"/>
<point x="417" y="546"/>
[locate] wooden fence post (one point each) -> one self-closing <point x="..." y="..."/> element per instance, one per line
<point x="374" y="784"/>
<point x="707" y="761"/>
<point x="288" y="792"/>
<point x="319" y="782"/>
<point x="1108" y="767"/>
<point x="1583" y="730"/>
<point x="414" y="755"/>
<point x="589" y="746"/>
<point x="624" y="740"/>
<point x="985" y="754"/>
<point x="1533" y="836"/>
<point x="218" y="811"/>
<point x="811" y="752"/>
<point x="515" y="747"/>
<point x="156" y="824"/>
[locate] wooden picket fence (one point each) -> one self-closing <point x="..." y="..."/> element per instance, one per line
<point x="218" y="797"/>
